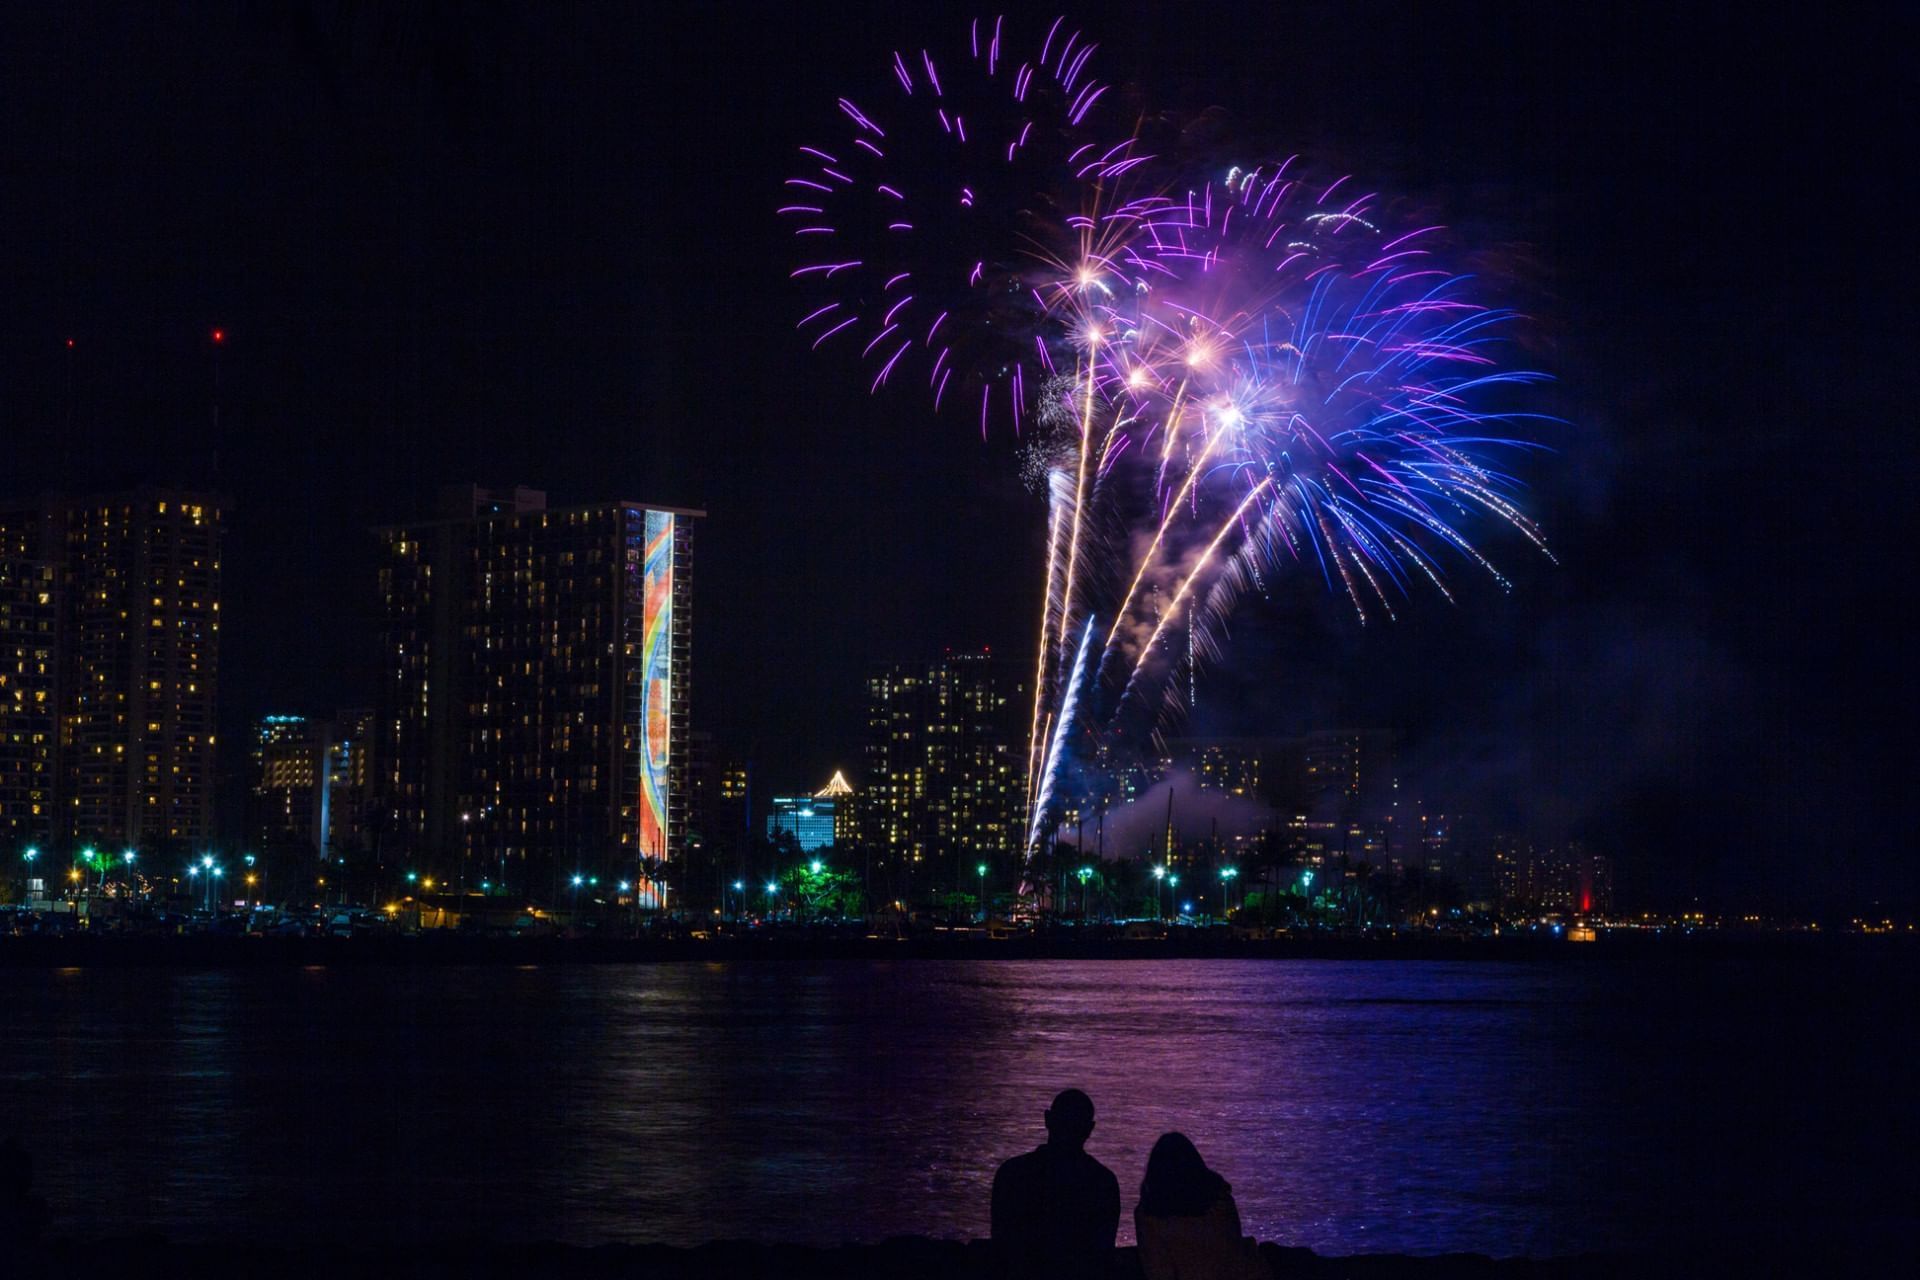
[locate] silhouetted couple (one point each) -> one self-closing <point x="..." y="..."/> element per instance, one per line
<point x="1056" y="1210"/>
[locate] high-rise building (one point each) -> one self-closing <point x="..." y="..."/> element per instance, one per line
<point x="945" y="762"/>
<point x="846" y="808"/>
<point x="719" y="829"/>
<point x="1348" y="773"/>
<point x="349" y="781"/>
<point x="532" y="718"/>
<point x="28" y="727"/>
<point x="289" y="794"/>
<point x="1567" y="877"/>
<point x="309" y="784"/>
<point x="136" y="643"/>
<point x="816" y="820"/>
<point x="810" y="821"/>
<point x="1231" y="766"/>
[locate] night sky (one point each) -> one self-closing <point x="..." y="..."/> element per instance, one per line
<point x="535" y="245"/>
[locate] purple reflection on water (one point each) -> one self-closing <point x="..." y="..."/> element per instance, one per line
<point x="1354" y="1106"/>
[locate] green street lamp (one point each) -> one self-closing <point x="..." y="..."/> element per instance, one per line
<point x="982" y="870"/>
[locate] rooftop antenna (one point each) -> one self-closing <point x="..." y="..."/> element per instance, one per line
<point x="73" y="416"/>
<point x="218" y="341"/>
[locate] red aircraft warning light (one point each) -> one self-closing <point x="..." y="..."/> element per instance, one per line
<point x="219" y="336"/>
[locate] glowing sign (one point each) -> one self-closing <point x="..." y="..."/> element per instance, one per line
<point x="656" y="695"/>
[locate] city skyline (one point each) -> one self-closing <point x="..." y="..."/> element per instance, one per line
<point x="1668" y="688"/>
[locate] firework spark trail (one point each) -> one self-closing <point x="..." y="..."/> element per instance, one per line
<point x="1061" y="730"/>
<point x="1146" y="560"/>
<point x="1186" y="584"/>
<point x="1055" y="519"/>
<point x="1079" y="508"/>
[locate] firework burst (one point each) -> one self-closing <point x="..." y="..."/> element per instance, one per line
<point x="941" y="212"/>
<point x="1217" y="382"/>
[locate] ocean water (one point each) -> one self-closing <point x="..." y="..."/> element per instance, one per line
<point x="1643" y="1100"/>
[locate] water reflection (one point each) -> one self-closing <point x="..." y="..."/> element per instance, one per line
<point x="1490" y="1107"/>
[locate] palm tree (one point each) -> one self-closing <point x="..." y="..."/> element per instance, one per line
<point x="1038" y="876"/>
<point x="655" y="871"/>
<point x="1272" y="857"/>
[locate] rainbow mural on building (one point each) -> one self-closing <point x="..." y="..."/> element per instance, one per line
<point x="656" y="697"/>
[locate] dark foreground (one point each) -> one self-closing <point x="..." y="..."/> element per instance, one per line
<point x="899" y="1259"/>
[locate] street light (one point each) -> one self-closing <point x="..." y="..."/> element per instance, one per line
<point x="1227" y="875"/>
<point x="1085" y="874"/>
<point x="982" y="869"/>
<point x="814" y="866"/>
<point x="212" y="873"/>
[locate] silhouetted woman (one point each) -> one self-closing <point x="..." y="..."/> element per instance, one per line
<point x="1187" y="1224"/>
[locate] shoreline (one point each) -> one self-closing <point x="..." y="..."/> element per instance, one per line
<point x="201" y="951"/>
<point x="907" y="1256"/>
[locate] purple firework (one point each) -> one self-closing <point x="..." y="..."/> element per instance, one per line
<point x="941" y="212"/>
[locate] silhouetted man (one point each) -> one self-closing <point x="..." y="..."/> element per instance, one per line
<point x="1056" y="1209"/>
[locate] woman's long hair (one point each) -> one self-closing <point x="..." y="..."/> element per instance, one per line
<point x="1178" y="1183"/>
